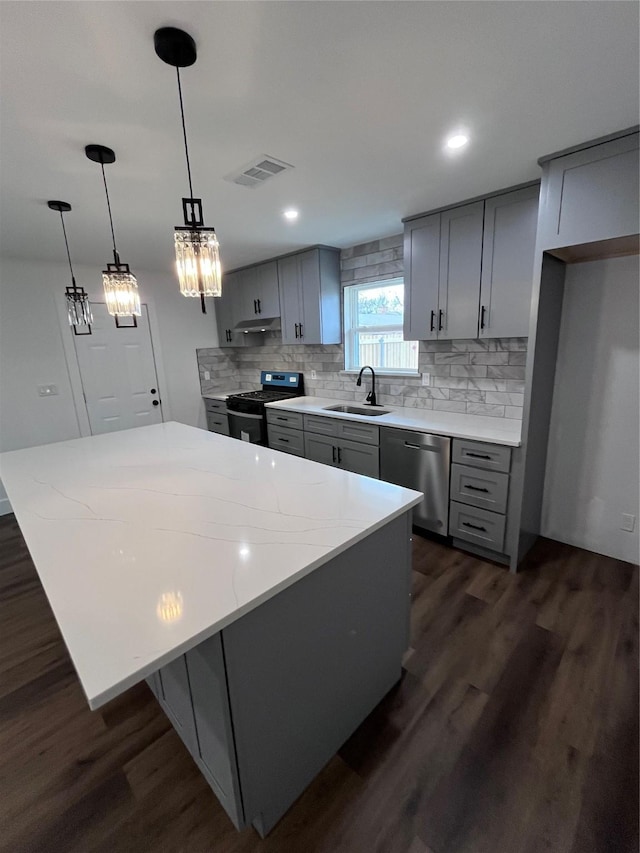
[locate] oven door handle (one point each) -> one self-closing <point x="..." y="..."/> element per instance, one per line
<point x="233" y="413"/>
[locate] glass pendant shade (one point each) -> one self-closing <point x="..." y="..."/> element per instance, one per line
<point x="198" y="262"/>
<point x="78" y="307"/>
<point x="121" y="291"/>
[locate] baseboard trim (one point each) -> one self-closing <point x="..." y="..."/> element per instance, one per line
<point x="5" y="506"/>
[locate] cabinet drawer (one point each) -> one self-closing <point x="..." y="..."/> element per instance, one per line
<point x="321" y="425"/>
<point x="479" y="454"/>
<point x="356" y="431"/>
<point x="477" y="525"/>
<point x="293" y="420"/>
<point x="218" y="423"/>
<point x="215" y="405"/>
<point x="288" y="440"/>
<point x="486" y="489"/>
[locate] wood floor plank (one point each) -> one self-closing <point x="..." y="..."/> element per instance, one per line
<point x="514" y="728"/>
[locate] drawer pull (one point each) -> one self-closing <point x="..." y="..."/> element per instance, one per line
<point x="479" y="455"/>
<point x="474" y="526"/>
<point x="286" y="440"/>
<point x="280" y="418"/>
<point x="476" y="488"/>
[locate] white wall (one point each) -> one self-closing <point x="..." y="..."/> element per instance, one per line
<point x="593" y="460"/>
<point x="32" y="351"/>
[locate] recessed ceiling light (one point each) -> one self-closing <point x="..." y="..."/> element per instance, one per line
<point x="457" y="140"/>
<point x="291" y="214"/>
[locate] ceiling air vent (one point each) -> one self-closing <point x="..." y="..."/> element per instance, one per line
<point x="258" y="171"/>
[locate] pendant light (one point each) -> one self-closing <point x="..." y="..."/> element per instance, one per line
<point x="78" y="307"/>
<point x="120" y="284"/>
<point x="197" y="248"/>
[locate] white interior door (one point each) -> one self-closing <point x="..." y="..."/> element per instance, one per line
<point x="118" y="373"/>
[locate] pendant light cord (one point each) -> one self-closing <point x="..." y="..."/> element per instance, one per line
<point x="113" y="235"/>
<point x="66" y="243"/>
<point x="184" y="132"/>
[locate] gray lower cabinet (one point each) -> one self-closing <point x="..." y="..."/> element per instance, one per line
<point x="341" y="453"/>
<point x="292" y="420"/>
<point x="479" y="492"/>
<point x="286" y="439"/>
<point x="263" y="705"/>
<point x="590" y="195"/>
<point x="175" y="698"/>
<point x="508" y="248"/>
<point x="217" y="418"/>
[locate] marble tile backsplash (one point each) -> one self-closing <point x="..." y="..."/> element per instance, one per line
<point x="476" y="377"/>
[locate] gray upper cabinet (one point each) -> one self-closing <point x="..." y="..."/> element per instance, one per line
<point x="460" y="267"/>
<point x="474" y="256"/>
<point x="510" y="223"/>
<point x="590" y="195"/>
<point x="309" y="286"/>
<point x="225" y="307"/>
<point x="421" y="277"/>
<point x="257" y="294"/>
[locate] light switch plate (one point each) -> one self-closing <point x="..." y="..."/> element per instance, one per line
<point x="426" y="378"/>
<point x="47" y="390"/>
<point x="207" y="374"/>
<point x="628" y="522"/>
<point x="314" y="374"/>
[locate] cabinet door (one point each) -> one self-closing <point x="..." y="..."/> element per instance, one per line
<point x="591" y="195"/>
<point x="216" y="748"/>
<point x="421" y="275"/>
<point x="509" y="241"/>
<point x="320" y="449"/>
<point x="290" y="307"/>
<point x="460" y="268"/>
<point x="224" y="311"/>
<point x="175" y="698"/>
<point x="310" y="321"/>
<point x="267" y="290"/>
<point x="359" y="458"/>
<point x="246" y="294"/>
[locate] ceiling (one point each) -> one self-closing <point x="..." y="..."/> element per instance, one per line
<point x="358" y="96"/>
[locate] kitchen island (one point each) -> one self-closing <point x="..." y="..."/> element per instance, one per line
<point x="265" y="598"/>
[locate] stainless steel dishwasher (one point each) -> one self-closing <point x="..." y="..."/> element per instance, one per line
<point x="419" y="461"/>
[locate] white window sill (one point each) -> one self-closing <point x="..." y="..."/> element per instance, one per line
<point x="381" y="372"/>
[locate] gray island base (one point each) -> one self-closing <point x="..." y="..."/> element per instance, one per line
<point x="265" y="703"/>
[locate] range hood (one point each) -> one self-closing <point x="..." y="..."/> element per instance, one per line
<point x="259" y="324"/>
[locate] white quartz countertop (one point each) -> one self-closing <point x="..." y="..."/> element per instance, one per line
<point x="222" y="395"/>
<point x="475" y="427"/>
<point x="150" y="540"/>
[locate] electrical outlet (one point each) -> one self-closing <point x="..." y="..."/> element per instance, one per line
<point x="47" y="390"/>
<point x="426" y="378"/>
<point x="628" y="522"/>
<point x="207" y="374"/>
<point x="314" y="374"/>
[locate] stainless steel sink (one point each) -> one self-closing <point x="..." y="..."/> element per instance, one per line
<point x="367" y="411"/>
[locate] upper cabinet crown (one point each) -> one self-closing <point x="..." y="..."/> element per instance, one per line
<point x="590" y="195"/>
<point x="469" y="270"/>
<point x="310" y="297"/>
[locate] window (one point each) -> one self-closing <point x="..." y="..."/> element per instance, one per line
<point x="373" y="317"/>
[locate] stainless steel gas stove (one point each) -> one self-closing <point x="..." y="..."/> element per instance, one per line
<point x="247" y="416"/>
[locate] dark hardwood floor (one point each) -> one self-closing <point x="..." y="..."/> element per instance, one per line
<point x="513" y="730"/>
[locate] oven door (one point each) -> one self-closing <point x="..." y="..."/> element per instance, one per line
<point x="248" y="427"/>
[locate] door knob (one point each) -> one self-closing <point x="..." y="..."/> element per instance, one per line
<point x="153" y="391"/>
<point x="156" y="402"/>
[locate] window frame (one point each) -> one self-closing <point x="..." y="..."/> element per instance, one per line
<point x="350" y="332"/>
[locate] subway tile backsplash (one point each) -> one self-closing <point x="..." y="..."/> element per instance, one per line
<point x="476" y="377"/>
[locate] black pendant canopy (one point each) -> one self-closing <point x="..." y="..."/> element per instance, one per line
<point x="175" y="47"/>
<point x="100" y="154"/>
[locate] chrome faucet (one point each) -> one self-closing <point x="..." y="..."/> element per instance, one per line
<point x="371" y="396"/>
